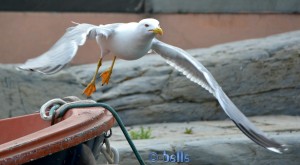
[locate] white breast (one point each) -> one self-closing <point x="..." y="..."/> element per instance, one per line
<point x="127" y="44"/>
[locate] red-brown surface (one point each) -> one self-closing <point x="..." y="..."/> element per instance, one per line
<point x="25" y="35"/>
<point x="29" y="137"/>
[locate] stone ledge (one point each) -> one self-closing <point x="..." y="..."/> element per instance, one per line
<point x="215" y="142"/>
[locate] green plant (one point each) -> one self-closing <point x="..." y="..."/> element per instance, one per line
<point x="188" y="131"/>
<point x="141" y="134"/>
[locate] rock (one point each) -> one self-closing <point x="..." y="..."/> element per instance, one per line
<point x="212" y="142"/>
<point x="24" y="93"/>
<point x="261" y="76"/>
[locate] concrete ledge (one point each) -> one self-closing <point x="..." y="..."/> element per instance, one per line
<point x="214" y="142"/>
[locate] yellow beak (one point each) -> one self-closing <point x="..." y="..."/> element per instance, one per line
<point x="157" y="31"/>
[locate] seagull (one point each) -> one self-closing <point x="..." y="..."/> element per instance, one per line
<point x="131" y="41"/>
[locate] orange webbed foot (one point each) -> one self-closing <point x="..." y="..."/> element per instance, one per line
<point x="105" y="76"/>
<point x="90" y="89"/>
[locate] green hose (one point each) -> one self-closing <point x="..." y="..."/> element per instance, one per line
<point x="116" y="116"/>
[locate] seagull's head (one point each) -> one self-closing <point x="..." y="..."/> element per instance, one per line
<point x="150" y="27"/>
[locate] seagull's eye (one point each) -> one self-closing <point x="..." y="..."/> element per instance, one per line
<point x="146" y="25"/>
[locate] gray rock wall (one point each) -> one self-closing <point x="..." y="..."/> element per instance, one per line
<point x="261" y="76"/>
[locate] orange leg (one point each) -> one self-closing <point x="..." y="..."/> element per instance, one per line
<point x="106" y="74"/>
<point x="91" y="88"/>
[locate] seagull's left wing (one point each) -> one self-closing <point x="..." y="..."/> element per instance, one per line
<point x="197" y="73"/>
<point x="64" y="50"/>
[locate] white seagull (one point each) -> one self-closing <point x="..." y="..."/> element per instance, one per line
<point x="131" y="41"/>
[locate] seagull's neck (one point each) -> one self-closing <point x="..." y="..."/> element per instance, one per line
<point x="142" y="37"/>
<point x="143" y="40"/>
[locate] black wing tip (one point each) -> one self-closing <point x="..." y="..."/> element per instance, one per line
<point x="262" y="140"/>
<point x="19" y="68"/>
<point x="44" y="70"/>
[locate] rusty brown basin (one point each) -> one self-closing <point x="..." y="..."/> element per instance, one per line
<point x="27" y="138"/>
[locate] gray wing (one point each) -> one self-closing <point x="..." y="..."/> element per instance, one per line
<point x="64" y="50"/>
<point x="197" y="73"/>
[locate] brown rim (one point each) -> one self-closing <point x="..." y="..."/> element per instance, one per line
<point x="78" y="125"/>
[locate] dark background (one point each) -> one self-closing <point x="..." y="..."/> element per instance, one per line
<point x="154" y="6"/>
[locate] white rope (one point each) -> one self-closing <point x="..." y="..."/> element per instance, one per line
<point x="45" y="107"/>
<point x="62" y="102"/>
<point x="111" y="154"/>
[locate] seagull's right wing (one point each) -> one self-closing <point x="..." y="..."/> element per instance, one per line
<point x="197" y="73"/>
<point x="64" y="50"/>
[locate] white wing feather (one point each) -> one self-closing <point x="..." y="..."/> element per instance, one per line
<point x="197" y="73"/>
<point x="64" y="50"/>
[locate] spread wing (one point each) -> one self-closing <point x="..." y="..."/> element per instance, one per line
<point x="64" y="50"/>
<point x="197" y="73"/>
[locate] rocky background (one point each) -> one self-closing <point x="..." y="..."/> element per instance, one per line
<point x="261" y="76"/>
